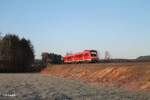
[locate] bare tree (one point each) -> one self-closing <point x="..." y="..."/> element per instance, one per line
<point x="107" y="55"/>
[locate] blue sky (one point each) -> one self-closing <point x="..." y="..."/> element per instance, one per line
<point x="121" y="27"/>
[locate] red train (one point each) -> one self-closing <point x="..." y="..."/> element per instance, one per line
<point x="85" y="56"/>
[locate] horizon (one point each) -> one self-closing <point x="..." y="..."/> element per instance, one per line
<point x="119" y="27"/>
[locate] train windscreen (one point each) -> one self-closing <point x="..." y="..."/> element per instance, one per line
<point x="93" y="53"/>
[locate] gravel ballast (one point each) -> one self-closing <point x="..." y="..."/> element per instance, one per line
<point x="40" y="87"/>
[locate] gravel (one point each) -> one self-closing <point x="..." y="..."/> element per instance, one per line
<point x="39" y="87"/>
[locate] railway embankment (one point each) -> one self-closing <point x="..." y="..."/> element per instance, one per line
<point x="130" y="76"/>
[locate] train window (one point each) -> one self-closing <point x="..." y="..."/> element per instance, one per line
<point x="93" y="54"/>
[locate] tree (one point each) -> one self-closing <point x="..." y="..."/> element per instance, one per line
<point x="18" y="53"/>
<point x="51" y="58"/>
<point x="28" y="52"/>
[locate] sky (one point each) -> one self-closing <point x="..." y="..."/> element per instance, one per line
<point x="121" y="27"/>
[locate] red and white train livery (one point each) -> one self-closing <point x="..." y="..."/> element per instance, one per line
<point x="85" y="56"/>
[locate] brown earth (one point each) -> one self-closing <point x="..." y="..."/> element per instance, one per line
<point x="130" y="76"/>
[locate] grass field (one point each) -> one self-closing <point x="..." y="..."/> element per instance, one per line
<point x="41" y="87"/>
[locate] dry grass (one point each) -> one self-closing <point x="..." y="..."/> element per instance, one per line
<point x="39" y="87"/>
<point x="131" y="76"/>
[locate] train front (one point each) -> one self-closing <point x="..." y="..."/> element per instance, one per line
<point x="94" y="56"/>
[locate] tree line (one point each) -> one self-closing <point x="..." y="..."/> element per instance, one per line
<point x="51" y="58"/>
<point x="16" y="54"/>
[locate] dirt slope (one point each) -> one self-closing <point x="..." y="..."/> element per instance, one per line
<point x="131" y="76"/>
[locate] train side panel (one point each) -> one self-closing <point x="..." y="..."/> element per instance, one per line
<point x="85" y="56"/>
